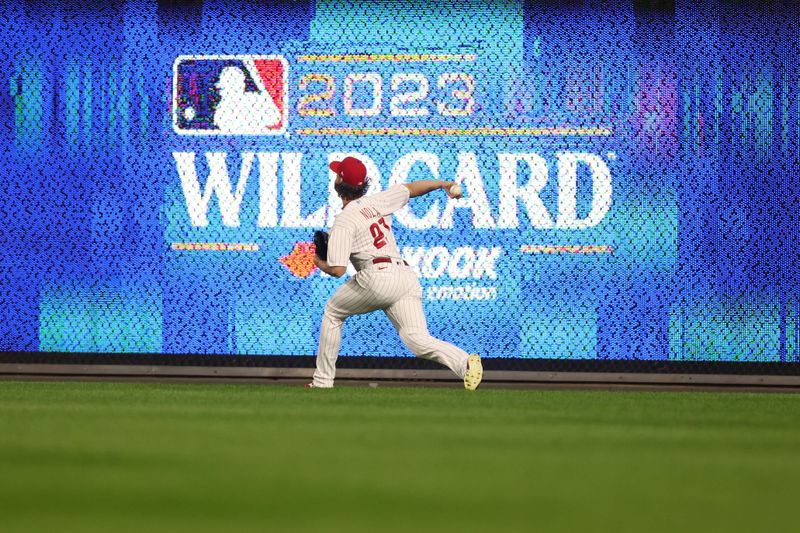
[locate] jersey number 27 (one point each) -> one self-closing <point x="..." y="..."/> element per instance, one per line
<point x="378" y="236"/>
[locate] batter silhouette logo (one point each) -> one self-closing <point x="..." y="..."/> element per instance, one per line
<point x="230" y="95"/>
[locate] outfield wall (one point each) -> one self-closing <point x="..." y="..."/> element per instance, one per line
<point x="630" y="174"/>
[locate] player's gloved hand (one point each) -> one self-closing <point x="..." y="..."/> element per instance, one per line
<point x="321" y="244"/>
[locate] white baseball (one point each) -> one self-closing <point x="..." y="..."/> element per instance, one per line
<point x="455" y="190"/>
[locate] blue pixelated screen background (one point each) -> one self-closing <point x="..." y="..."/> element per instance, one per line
<point x="630" y="174"/>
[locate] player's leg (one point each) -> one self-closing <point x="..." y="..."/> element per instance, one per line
<point x="408" y="318"/>
<point x="344" y="302"/>
<point x="363" y="293"/>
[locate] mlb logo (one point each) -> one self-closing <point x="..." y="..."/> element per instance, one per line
<point x="230" y="95"/>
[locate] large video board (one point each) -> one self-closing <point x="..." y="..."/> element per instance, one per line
<point x="170" y="164"/>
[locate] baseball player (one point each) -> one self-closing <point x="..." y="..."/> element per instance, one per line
<point x="362" y="233"/>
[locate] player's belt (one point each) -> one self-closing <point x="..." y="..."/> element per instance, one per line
<point x="388" y="260"/>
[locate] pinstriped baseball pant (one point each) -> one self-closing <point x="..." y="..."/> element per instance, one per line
<point x="396" y="291"/>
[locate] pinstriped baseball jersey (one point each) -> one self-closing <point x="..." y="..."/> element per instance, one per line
<point x="363" y="230"/>
<point x="360" y="233"/>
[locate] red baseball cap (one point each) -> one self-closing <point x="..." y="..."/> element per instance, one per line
<point x="352" y="171"/>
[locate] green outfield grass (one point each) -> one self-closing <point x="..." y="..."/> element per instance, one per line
<point x="170" y="457"/>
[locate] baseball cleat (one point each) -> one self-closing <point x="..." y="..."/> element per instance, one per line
<point x="312" y="386"/>
<point x="474" y="373"/>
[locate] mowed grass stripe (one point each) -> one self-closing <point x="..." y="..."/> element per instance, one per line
<point x="167" y="457"/>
